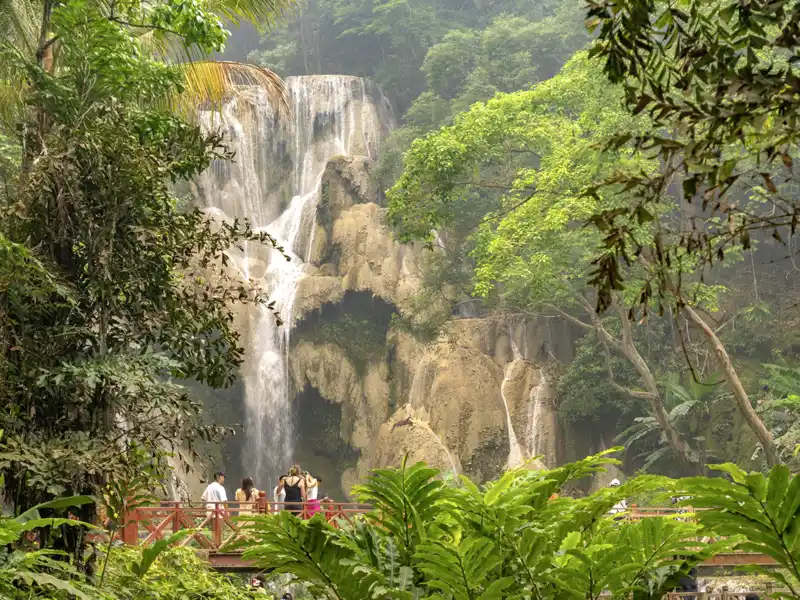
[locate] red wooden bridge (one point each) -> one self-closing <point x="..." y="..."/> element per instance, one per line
<point x="217" y="525"/>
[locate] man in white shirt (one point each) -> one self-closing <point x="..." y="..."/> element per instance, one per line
<point x="215" y="492"/>
<point x="622" y="505"/>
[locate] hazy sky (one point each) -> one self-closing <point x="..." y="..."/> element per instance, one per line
<point x="244" y="38"/>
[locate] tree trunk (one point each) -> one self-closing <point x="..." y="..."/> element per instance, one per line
<point x="674" y="438"/>
<point x="743" y="400"/>
<point x="627" y="348"/>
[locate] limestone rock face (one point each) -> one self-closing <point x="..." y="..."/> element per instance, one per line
<point x="186" y="480"/>
<point x="478" y="398"/>
<point x="458" y="389"/>
<point x="353" y="247"/>
<point x="453" y="395"/>
<point x="363" y="396"/>
<point x="359" y="254"/>
<point x="408" y="435"/>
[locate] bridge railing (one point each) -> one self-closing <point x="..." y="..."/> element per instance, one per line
<point x="218" y="523"/>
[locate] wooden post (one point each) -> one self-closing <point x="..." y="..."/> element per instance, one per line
<point x="218" y="508"/>
<point x="724" y="592"/>
<point x="130" y="527"/>
<point x="176" y="521"/>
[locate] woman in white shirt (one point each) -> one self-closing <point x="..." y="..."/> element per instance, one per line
<point x="312" y="494"/>
<point x="279" y="494"/>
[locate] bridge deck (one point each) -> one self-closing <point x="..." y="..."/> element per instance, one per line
<point x="217" y="525"/>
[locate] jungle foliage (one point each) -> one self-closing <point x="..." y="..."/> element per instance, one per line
<point x="31" y="569"/>
<point x="446" y="48"/>
<point x="719" y="80"/>
<point x="520" y="537"/>
<point x="571" y="197"/>
<point x="109" y="292"/>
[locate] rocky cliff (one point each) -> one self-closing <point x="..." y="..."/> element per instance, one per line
<point x="473" y="401"/>
<point x="341" y="386"/>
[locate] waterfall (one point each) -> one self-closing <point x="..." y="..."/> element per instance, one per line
<point x="274" y="182"/>
<point x="536" y="419"/>
<point x="515" y="454"/>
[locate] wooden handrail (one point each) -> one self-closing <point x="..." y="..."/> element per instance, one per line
<point x="146" y="524"/>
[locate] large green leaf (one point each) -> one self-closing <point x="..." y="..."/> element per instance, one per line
<point x="152" y="552"/>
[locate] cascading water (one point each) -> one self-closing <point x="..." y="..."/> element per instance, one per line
<point x="516" y="455"/>
<point x="536" y="421"/>
<point x="541" y="428"/>
<point x="274" y="182"/>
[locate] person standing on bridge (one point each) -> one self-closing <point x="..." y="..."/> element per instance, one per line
<point x="247" y="495"/>
<point x="279" y="494"/>
<point x="215" y="493"/>
<point x="295" y="487"/>
<point x="620" y="507"/>
<point x="312" y="493"/>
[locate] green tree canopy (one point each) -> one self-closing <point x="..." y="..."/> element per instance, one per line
<point x="111" y="291"/>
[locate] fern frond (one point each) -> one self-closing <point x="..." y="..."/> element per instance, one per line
<point x="406" y="502"/>
<point x="313" y="552"/>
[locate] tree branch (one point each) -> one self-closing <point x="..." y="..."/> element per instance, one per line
<point x="143" y="26"/>
<point x="602" y="332"/>
<point x="568" y="317"/>
<point x="743" y="400"/>
<point x="634" y="393"/>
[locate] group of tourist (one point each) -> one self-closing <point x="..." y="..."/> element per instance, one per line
<point x="294" y="488"/>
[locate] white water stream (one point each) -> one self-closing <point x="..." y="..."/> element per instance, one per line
<point x="516" y="455"/>
<point x="537" y="443"/>
<point x="274" y="181"/>
<point x="419" y="387"/>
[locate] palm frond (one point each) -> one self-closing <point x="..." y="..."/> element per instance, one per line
<point x="655" y="456"/>
<point x="19" y="23"/>
<point x="261" y="13"/>
<point x="643" y="427"/>
<point x="683" y="409"/>
<point x="13" y="86"/>
<point x="210" y="83"/>
<point x="12" y="100"/>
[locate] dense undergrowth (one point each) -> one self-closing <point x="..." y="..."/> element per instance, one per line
<point x="517" y="537"/>
<point x="33" y="566"/>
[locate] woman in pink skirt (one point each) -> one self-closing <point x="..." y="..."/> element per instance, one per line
<point x="312" y="494"/>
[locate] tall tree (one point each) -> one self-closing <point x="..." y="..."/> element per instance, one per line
<point x="168" y="30"/>
<point x="535" y="151"/>
<point x="720" y="79"/>
<point x="122" y="292"/>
